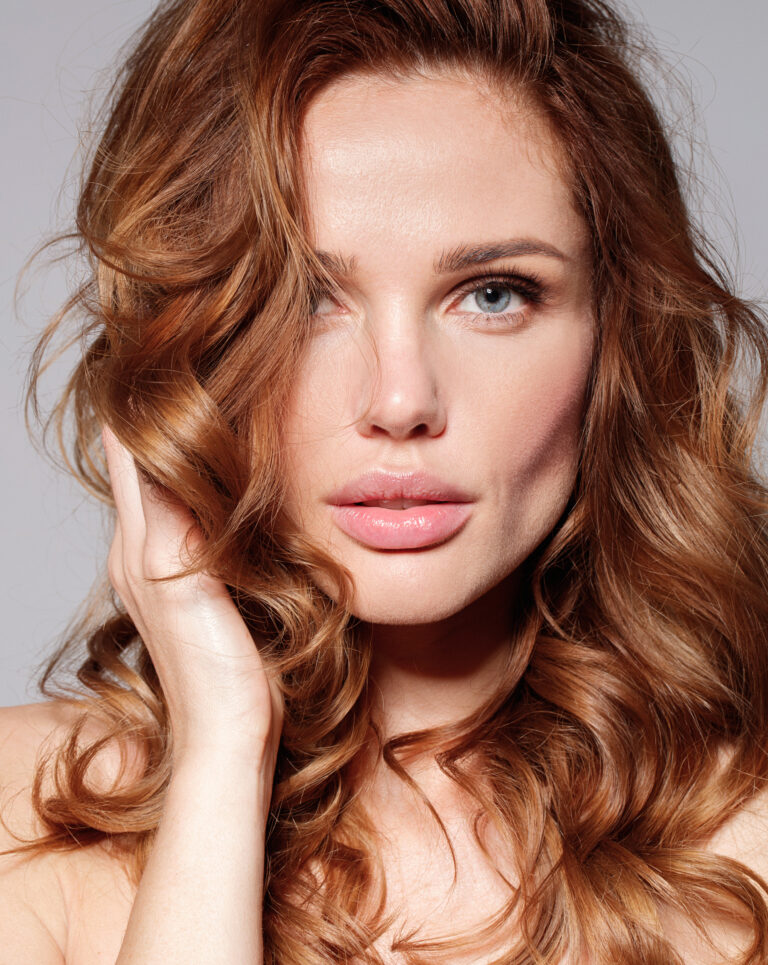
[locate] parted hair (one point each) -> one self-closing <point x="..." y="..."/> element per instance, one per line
<point x="632" y="718"/>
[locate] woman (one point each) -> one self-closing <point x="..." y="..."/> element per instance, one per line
<point x="438" y="629"/>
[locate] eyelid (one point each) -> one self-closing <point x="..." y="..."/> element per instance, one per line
<point x="318" y="290"/>
<point x="529" y="284"/>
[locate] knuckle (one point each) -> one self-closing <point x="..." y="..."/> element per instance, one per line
<point x="154" y="564"/>
<point x="134" y="573"/>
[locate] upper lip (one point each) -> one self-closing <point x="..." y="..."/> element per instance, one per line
<point x="386" y="484"/>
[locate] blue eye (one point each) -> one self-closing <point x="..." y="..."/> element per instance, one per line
<point x="493" y="298"/>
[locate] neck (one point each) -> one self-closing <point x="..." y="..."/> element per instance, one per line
<point x="426" y="675"/>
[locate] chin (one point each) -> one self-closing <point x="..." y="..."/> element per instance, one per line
<point x="404" y="610"/>
<point x="410" y="602"/>
<point x="433" y="585"/>
<point x="405" y="598"/>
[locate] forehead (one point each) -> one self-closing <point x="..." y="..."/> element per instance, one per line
<point x="439" y="155"/>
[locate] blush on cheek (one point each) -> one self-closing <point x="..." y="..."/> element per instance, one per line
<point x="544" y="477"/>
<point x="543" y="437"/>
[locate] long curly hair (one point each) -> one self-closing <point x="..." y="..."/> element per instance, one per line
<point x="633" y="716"/>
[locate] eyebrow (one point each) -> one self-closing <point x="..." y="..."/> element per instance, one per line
<point x="464" y="256"/>
<point x="460" y="257"/>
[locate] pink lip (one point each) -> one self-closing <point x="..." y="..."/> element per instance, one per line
<point x="445" y="510"/>
<point x="383" y="484"/>
<point x="402" y="529"/>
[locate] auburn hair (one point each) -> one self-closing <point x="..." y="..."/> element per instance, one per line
<point x="633" y="716"/>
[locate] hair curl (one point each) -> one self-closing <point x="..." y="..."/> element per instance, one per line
<point x="633" y="717"/>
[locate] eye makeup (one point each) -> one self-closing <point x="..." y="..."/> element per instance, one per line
<point x="528" y="285"/>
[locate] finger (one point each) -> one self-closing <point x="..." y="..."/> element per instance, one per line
<point x="125" y="489"/>
<point x="168" y="522"/>
<point x="115" y="566"/>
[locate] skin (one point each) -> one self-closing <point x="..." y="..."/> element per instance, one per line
<point x="396" y="171"/>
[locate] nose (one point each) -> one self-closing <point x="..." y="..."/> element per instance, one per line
<point x="401" y="395"/>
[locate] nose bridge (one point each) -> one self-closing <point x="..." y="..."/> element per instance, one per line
<point x="401" y="393"/>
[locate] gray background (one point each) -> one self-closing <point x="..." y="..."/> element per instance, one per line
<point x="56" y="55"/>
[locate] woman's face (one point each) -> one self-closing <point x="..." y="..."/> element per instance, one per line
<point x="451" y="362"/>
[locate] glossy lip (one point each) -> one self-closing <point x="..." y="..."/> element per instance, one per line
<point x="386" y="484"/>
<point x="447" y="508"/>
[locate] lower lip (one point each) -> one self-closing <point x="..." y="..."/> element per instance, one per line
<point x="402" y="529"/>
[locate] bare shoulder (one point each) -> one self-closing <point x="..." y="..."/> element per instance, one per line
<point x="42" y="894"/>
<point x="32" y="901"/>
<point x="25" y="731"/>
<point x="744" y="836"/>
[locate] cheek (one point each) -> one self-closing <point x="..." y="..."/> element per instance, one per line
<point x="538" y="410"/>
<point x="316" y="406"/>
<point x="313" y="425"/>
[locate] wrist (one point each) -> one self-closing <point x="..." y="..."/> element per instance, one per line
<point x="226" y="743"/>
<point x="210" y="777"/>
<point x="222" y="757"/>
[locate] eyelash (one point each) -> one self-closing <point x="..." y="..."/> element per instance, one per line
<point x="529" y="285"/>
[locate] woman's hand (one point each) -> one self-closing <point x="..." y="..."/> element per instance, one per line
<point x="218" y="694"/>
